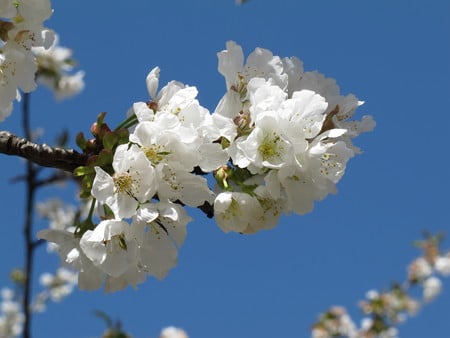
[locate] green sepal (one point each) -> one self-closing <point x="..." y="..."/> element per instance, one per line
<point x="108" y="212"/>
<point x="123" y="135"/>
<point x="241" y="174"/>
<point x="81" y="141"/>
<point x="104" y="158"/>
<point x="85" y="194"/>
<point x="47" y="72"/>
<point x="87" y="183"/>
<point x="248" y="189"/>
<point x="83" y="170"/>
<point x="110" y="140"/>
<point x="100" y="118"/>
<point x="82" y="227"/>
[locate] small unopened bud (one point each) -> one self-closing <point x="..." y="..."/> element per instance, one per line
<point x="18" y="276"/>
<point x="222" y="174"/>
<point x="152" y="105"/>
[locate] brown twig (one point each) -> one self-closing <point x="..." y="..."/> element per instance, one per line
<point x="41" y="154"/>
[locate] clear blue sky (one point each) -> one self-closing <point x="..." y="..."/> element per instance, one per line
<point x="395" y="55"/>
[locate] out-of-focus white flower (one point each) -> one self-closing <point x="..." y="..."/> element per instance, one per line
<point x="61" y="217"/>
<point x="366" y="330"/>
<point x="60" y="284"/>
<point x="23" y="31"/>
<point x="442" y="265"/>
<point x="54" y="67"/>
<point x="69" y="85"/>
<point x="90" y="277"/>
<point x="391" y="332"/>
<point x="419" y="269"/>
<point x="11" y="316"/>
<point x="57" y="286"/>
<point x="372" y="294"/>
<point x="173" y="332"/>
<point x="432" y="286"/>
<point x="335" y="322"/>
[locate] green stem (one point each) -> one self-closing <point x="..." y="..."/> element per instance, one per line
<point x="128" y="122"/>
<point x="91" y="210"/>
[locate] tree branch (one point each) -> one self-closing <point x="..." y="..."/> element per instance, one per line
<point x="28" y="226"/>
<point x="41" y="154"/>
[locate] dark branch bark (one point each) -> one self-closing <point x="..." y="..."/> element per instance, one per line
<point x="28" y="226"/>
<point x="41" y="154"/>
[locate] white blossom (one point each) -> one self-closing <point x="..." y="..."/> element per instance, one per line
<point x="60" y="284"/>
<point x="90" y="277"/>
<point x="55" y="65"/>
<point x="133" y="182"/>
<point x="160" y="229"/>
<point x="431" y="288"/>
<point x="173" y="332"/>
<point x="420" y="269"/>
<point x="17" y="62"/>
<point x="11" y="315"/>
<point x="236" y="211"/>
<point x="260" y="63"/>
<point x="110" y="247"/>
<point x="61" y="216"/>
<point x="442" y="265"/>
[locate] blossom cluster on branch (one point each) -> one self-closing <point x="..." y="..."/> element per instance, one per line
<point x="384" y="311"/>
<point x="278" y="141"/>
<point x="29" y="52"/>
<point x="55" y="68"/>
<point x="21" y="29"/>
<point x="56" y="287"/>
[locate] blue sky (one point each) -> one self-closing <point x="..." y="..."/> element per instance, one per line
<point x="395" y="55"/>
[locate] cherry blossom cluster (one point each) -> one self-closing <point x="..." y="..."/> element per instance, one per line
<point x="56" y="287"/>
<point x="21" y="29"/>
<point x="385" y="310"/>
<point x="55" y="67"/>
<point x="427" y="269"/>
<point x="11" y="316"/>
<point x="287" y="133"/>
<point x="173" y="332"/>
<point x="278" y="141"/>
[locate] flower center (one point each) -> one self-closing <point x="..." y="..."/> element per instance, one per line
<point x="269" y="147"/>
<point x="155" y="153"/>
<point x="124" y="183"/>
